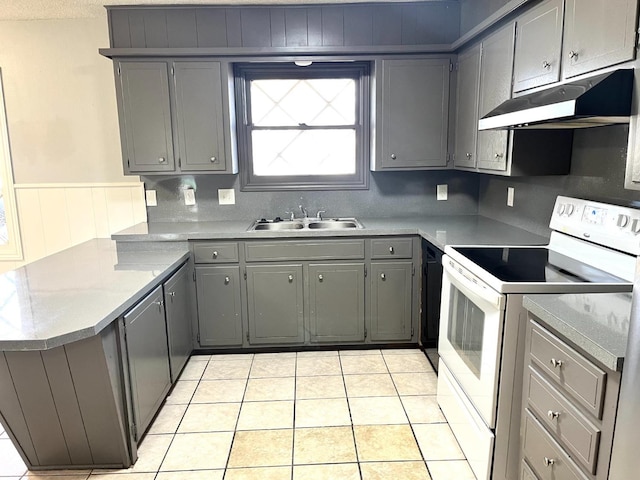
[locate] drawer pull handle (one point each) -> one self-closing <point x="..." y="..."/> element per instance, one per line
<point x="214" y="255"/>
<point x="556" y="363"/>
<point x="226" y="280"/>
<point x="391" y="250"/>
<point x="320" y="277"/>
<point x="549" y="461"/>
<point x="553" y="415"/>
<point x="291" y="278"/>
<point x="383" y="276"/>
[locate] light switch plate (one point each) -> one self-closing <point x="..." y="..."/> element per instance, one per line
<point x="150" y="198"/>
<point x="510" y="193"/>
<point x="442" y="192"/>
<point x="226" y="196"/>
<point x="189" y="196"/>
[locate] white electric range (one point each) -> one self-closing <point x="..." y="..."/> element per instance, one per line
<point x="593" y="248"/>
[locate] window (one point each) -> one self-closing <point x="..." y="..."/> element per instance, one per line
<point x="10" y="248"/>
<point x="303" y="128"/>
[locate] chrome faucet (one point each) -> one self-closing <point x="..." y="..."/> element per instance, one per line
<point x="303" y="211"/>
<point x="319" y="214"/>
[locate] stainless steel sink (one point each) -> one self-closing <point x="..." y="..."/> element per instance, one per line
<point x="306" y="224"/>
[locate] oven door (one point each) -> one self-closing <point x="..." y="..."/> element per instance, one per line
<point x="470" y="338"/>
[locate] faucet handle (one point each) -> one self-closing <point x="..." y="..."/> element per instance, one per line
<point x="319" y="214"/>
<point x="292" y="215"/>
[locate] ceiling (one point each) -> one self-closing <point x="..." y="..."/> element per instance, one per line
<point x="44" y="9"/>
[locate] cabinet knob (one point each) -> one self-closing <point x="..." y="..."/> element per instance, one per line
<point x="546" y="65"/>
<point x="383" y="276"/>
<point x="291" y="278"/>
<point x="549" y="461"/>
<point x="573" y="54"/>
<point x="161" y="160"/>
<point x="214" y="255"/>
<point x="160" y="304"/>
<point x="393" y="156"/>
<point x="553" y="415"/>
<point x="556" y="363"/>
<point x="226" y="280"/>
<point x="213" y="159"/>
<point x="320" y="277"/>
<point x="499" y="155"/>
<point x="391" y="250"/>
<point x="468" y="155"/>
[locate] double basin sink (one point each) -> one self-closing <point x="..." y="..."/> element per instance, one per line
<point x="306" y="224"/>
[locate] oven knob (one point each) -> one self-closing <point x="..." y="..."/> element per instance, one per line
<point x="623" y="220"/>
<point x="570" y="209"/>
<point x="560" y="209"/>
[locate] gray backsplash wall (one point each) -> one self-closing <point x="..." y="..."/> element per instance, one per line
<point x="389" y="194"/>
<point x="597" y="173"/>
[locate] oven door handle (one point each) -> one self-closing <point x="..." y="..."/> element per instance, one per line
<point x="476" y="291"/>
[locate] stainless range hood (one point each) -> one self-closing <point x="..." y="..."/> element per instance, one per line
<point x="595" y="101"/>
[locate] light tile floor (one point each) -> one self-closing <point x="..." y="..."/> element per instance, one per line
<point x="358" y="414"/>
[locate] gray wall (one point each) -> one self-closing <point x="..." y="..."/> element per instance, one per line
<point x="473" y="12"/>
<point x="389" y="194"/>
<point x="597" y="173"/>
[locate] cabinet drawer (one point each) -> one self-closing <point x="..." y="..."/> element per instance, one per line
<point x="573" y="429"/>
<point x="304" y="250"/>
<point x="578" y="376"/>
<point x="544" y="455"/>
<point x="215" y="252"/>
<point x="391" y="248"/>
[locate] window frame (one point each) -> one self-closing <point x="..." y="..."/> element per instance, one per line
<point x="358" y="70"/>
<point x="13" y="249"/>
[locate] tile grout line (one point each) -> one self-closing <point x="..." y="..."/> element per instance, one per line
<point x="353" y="431"/>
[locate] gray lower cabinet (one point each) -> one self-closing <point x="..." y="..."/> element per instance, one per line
<point x="336" y="302"/>
<point x="467" y="108"/>
<point x="148" y="358"/>
<point x="391" y="301"/>
<point x="219" y="305"/>
<point x="142" y="90"/>
<point x="177" y="300"/>
<point x="275" y="304"/>
<point x="568" y="411"/>
<point x="412" y="114"/>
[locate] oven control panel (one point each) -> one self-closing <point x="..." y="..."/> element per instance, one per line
<point x="610" y="225"/>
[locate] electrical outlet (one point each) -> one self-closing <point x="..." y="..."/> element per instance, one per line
<point x="150" y="198"/>
<point x="189" y="196"/>
<point x="510" y="193"/>
<point x="442" y="192"/>
<point x="226" y="196"/>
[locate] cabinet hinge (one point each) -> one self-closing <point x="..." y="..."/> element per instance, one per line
<point x="449" y="158"/>
<point x="413" y="270"/>
<point x="134" y="430"/>
<point x="128" y="163"/>
<point x="194" y="275"/>
<point x="198" y="338"/>
<point x="412" y="331"/>
<point x="451" y="66"/>
<point x="365" y="271"/>
<point x="365" y="332"/>
<point x="119" y="71"/>
<point x="179" y="162"/>
<point x="247" y="335"/>
<point x="245" y="277"/>
<point x="173" y="72"/>
<point x="457" y="66"/>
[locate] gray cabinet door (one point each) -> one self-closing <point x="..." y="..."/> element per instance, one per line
<point x="467" y="108"/>
<point x="219" y="306"/>
<point x="415" y="113"/>
<point x="496" y="69"/>
<point x="148" y="356"/>
<point x="275" y="303"/>
<point x="177" y="300"/>
<point x="145" y="117"/>
<point x="391" y="295"/>
<point x="199" y="116"/>
<point x="336" y="302"/>
<point x="598" y="33"/>
<point x="538" y="46"/>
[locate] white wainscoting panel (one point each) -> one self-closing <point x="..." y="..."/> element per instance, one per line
<point x="53" y="217"/>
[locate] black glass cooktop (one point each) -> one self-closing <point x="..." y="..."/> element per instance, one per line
<point x="534" y="265"/>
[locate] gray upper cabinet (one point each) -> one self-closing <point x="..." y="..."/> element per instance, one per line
<point x="538" y="46"/>
<point x="219" y="305"/>
<point x="467" y="108"/>
<point x="597" y="34"/>
<point x="412" y="114"/>
<point x="495" y="87"/>
<point x="145" y="117"/>
<point x="199" y="115"/>
<point x="177" y="126"/>
<point x="148" y="358"/>
<point x="275" y="304"/>
<point x="336" y="302"/>
<point x="177" y="299"/>
<point x="391" y="301"/>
